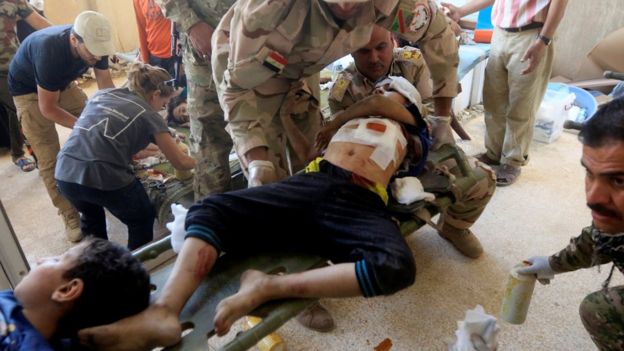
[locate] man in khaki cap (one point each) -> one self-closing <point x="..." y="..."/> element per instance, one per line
<point x="41" y="81"/>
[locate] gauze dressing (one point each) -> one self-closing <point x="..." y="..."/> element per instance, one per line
<point x="380" y="133"/>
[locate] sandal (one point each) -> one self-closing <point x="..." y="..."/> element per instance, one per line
<point x="507" y="174"/>
<point x="25" y="164"/>
<point x="485" y="159"/>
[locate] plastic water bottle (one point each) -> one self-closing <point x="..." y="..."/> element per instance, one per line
<point x="271" y="342"/>
<point x="517" y="296"/>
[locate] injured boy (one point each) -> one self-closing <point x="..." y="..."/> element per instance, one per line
<point x="93" y="283"/>
<point x="337" y="210"/>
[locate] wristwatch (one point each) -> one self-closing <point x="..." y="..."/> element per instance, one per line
<point x="547" y="41"/>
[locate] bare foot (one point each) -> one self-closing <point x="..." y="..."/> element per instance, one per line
<point x="156" y="326"/>
<point x="252" y="293"/>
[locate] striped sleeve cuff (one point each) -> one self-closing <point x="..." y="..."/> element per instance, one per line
<point x="206" y="234"/>
<point x="367" y="286"/>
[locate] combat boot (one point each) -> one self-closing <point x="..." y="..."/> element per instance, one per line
<point x="317" y="318"/>
<point x="463" y="240"/>
<point x="72" y="225"/>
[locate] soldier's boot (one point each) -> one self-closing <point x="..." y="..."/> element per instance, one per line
<point x="261" y="172"/>
<point x="71" y="219"/>
<point x="316" y="318"/>
<point x="463" y="240"/>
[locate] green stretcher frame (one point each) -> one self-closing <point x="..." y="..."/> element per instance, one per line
<point x="224" y="279"/>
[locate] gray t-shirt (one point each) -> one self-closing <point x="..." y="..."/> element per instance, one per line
<point x="115" y="125"/>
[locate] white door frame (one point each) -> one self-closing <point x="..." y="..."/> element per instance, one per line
<point x="13" y="264"/>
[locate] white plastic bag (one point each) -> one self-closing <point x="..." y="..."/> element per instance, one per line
<point x="177" y="226"/>
<point x="477" y="332"/>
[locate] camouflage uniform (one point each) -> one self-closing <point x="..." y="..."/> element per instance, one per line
<point x="210" y="144"/>
<point x="10" y="12"/>
<point x="352" y="86"/>
<point x="602" y="312"/>
<point x="262" y="50"/>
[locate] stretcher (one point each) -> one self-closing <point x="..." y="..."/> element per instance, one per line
<point x="198" y="314"/>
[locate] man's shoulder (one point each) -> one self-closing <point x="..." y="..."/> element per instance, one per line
<point x="267" y="15"/>
<point x="48" y="36"/>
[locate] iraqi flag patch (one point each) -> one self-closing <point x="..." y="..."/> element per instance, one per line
<point x="275" y="62"/>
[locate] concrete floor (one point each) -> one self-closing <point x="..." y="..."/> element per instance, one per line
<point x="535" y="216"/>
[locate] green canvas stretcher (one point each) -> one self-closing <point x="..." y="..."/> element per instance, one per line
<point x="224" y="279"/>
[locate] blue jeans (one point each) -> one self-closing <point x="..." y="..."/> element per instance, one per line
<point x="323" y="213"/>
<point x="130" y="205"/>
<point x="166" y="63"/>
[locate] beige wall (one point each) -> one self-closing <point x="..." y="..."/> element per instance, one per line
<point x="119" y="12"/>
<point x="585" y="23"/>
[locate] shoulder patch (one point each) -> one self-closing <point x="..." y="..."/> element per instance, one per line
<point x="411" y="17"/>
<point x="408" y="54"/>
<point x="339" y="88"/>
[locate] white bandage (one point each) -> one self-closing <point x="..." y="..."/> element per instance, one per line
<point x="385" y="142"/>
<point x="177" y="226"/>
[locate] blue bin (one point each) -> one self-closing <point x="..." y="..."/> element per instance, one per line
<point x="584" y="100"/>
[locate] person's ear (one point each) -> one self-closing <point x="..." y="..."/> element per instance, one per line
<point x="70" y="291"/>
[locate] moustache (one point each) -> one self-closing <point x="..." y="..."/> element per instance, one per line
<point x="377" y="65"/>
<point x="600" y="209"/>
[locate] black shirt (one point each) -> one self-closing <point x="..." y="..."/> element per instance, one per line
<point x="45" y="59"/>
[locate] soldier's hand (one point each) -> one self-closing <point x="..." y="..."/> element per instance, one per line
<point x="540" y="267"/>
<point x="441" y="131"/>
<point x="452" y="11"/>
<point x="199" y="36"/>
<point x="323" y="137"/>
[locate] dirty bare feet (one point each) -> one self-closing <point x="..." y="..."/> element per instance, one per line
<point x="252" y="293"/>
<point x="156" y="326"/>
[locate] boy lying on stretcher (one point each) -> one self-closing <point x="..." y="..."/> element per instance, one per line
<point x="338" y="208"/>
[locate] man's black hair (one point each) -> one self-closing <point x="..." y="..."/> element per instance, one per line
<point x="606" y="126"/>
<point x="77" y="36"/>
<point x="115" y="286"/>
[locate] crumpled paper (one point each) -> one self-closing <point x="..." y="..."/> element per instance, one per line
<point x="477" y="332"/>
<point x="407" y="190"/>
<point x="177" y="226"/>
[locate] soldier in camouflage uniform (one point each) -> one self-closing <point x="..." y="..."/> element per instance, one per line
<point x="376" y="60"/>
<point x="10" y="12"/>
<point x="602" y="312"/>
<point x="263" y="50"/>
<point x="379" y="59"/>
<point x="210" y="144"/>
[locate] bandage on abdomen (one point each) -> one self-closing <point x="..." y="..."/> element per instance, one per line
<point x="380" y="133"/>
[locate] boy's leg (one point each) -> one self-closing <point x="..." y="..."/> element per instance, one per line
<point x="258" y="287"/>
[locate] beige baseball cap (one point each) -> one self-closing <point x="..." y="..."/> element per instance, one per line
<point x="96" y="32"/>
